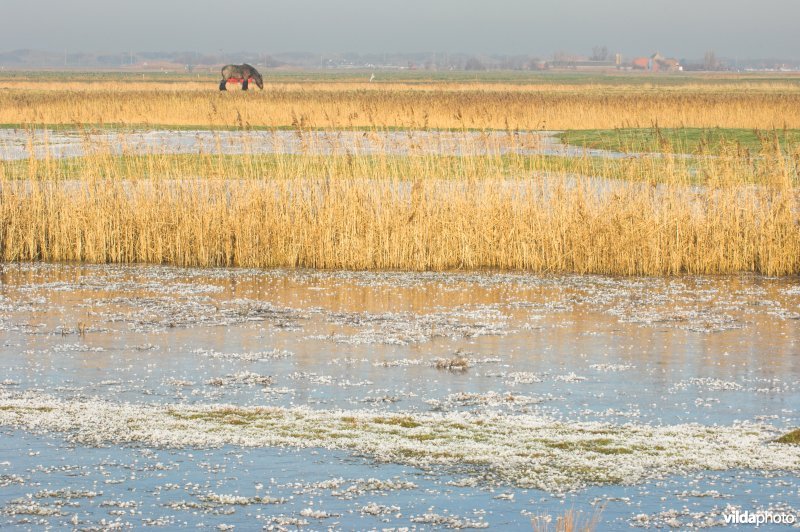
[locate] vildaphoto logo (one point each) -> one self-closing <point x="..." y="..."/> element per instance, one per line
<point x="760" y="518"/>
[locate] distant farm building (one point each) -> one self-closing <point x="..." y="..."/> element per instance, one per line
<point x="656" y="63"/>
<point x="563" y="61"/>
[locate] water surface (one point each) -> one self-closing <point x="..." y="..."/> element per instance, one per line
<point x="638" y="359"/>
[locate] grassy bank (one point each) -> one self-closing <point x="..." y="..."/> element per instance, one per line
<point x="701" y="141"/>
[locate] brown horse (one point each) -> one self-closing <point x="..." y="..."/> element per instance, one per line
<point x="240" y="74"/>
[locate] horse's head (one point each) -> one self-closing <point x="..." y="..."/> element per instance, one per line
<point x="258" y="79"/>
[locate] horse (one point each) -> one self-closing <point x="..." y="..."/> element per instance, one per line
<point x="240" y="73"/>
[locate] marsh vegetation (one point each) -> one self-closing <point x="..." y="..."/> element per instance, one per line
<point x="325" y="366"/>
<point x="503" y="210"/>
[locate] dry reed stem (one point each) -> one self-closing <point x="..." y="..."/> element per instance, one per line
<point x="571" y="521"/>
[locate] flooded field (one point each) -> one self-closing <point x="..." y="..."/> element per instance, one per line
<point x="219" y="398"/>
<point x="42" y="143"/>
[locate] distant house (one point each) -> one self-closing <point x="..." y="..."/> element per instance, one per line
<point x="656" y="63"/>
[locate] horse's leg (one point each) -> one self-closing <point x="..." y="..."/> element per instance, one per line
<point x="244" y="83"/>
<point x="222" y="84"/>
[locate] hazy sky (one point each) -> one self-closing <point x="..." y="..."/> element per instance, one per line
<point x="682" y="28"/>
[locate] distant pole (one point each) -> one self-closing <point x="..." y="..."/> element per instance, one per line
<point x="65" y="57"/>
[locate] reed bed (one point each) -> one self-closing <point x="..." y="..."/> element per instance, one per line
<point x="208" y="83"/>
<point x="650" y="216"/>
<point x="453" y="106"/>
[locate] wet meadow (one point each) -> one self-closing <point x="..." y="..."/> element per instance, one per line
<point x="431" y="301"/>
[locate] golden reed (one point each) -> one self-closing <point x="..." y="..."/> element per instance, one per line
<point x="418" y="212"/>
<point x="458" y="106"/>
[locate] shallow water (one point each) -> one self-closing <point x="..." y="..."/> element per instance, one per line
<point x="86" y="352"/>
<point x="41" y="143"/>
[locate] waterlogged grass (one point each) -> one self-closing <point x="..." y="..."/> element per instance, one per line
<point x="680" y="170"/>
<point x="791" y="438"/>
<point x="701" y="141"/>
<point x="290" y="166"/>
<point x="600" y="445"/>
<point x="523" y="450"/>
<point x="7" y="408"/>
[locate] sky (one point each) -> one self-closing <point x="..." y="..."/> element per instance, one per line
<point x="680" y="28"/>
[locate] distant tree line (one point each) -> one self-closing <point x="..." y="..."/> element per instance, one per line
<point x="195" y="60"/>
